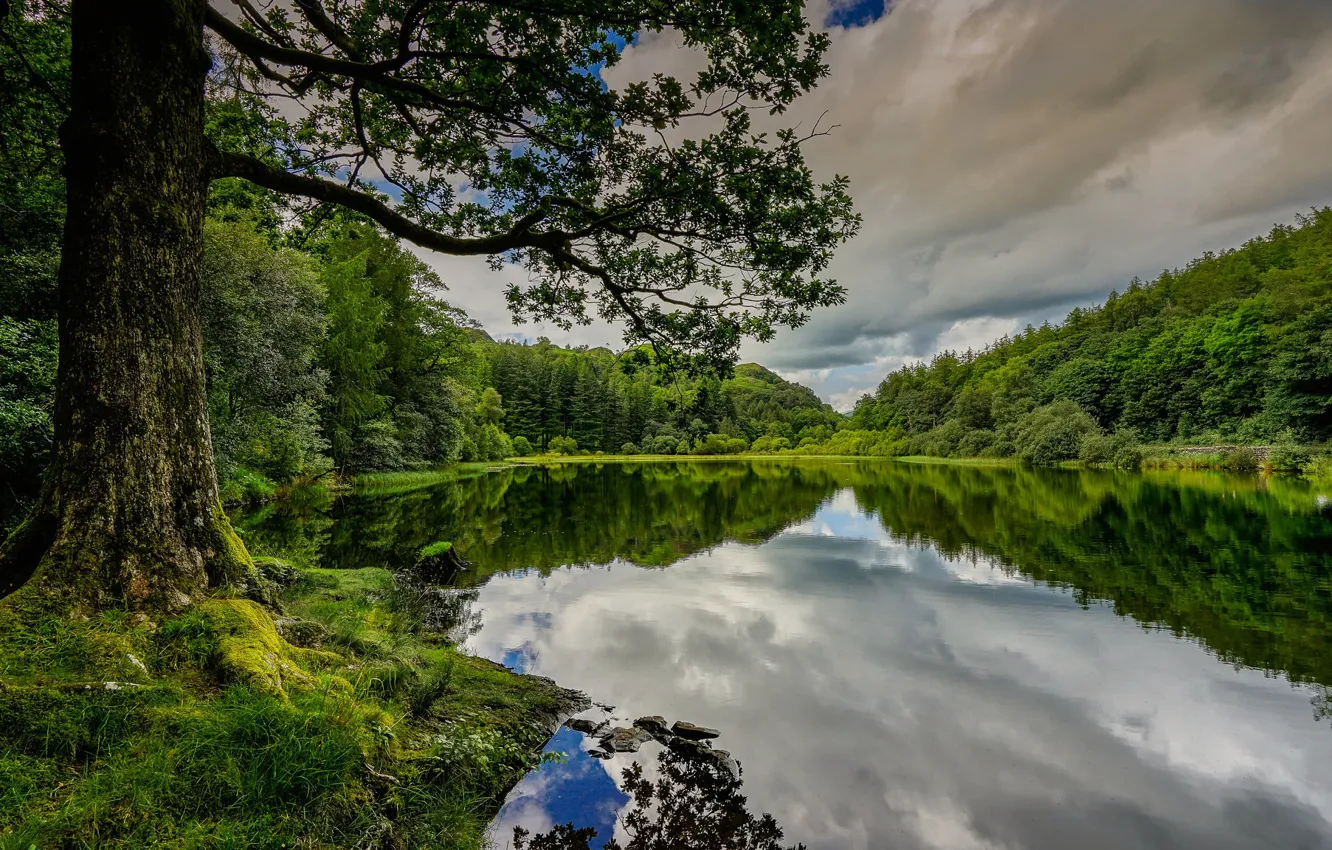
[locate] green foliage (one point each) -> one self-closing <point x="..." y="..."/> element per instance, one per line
<point x="34" y="70"/>
<point x="435" y="549"/>
<point x="1054" y="433"/>
<point x="1319" y="468"/>
<point x="264" y="325"/>
<point x="1239" y="460"/>
<point x="1288" y="454"/>
<point x="562" y="446"/>
<point x="521" y="447"/>
<point x="718" y="444"/>
<point x="1234" y="348"/>
<point x="769" y="444"/>
<point x="722" y="235"/>
<point x="246" y="486"/>
<point x="490" y="408"/>
<point x="27" y="385"/>
<point x="603" y="401"/>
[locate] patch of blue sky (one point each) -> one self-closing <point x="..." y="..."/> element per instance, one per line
<point x="577" y="790"/>
<point x="855" y="13"/>
<point x="595" y="70"/>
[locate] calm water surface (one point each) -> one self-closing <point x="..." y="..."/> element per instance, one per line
<point x="905" y="656"/>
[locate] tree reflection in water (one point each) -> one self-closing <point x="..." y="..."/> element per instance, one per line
<point x="694" y="804"/>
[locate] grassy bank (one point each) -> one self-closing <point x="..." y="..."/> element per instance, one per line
<point x="340" y="721"/>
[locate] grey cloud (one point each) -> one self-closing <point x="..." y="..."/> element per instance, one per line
<point x="1014" y="157"/>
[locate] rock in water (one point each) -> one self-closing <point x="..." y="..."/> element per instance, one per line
<point x="438" y="564"/>
<point x="654" y="725"/>
<point x="693" y="733"/>
<point x="622" y="740"/>
<point x="701" y="751"/>
<point x="587" y="727"/>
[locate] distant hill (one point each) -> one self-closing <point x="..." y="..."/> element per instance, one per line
<point x="1235" y="347"/>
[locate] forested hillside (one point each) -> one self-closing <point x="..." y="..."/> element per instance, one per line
<point x="1234" y="348"/>
<point x="628" y="405"/>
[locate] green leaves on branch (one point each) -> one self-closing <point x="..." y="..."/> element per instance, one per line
<point x="653" y="202"/>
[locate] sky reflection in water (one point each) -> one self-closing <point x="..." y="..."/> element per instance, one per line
<point x="881" y="695"/>
<point x="873" y="642"/>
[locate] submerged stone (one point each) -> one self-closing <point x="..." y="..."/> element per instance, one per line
<point x="693" y="733"/>
<point x="702" y="751"/>
<point x="622" y="740"/>
<point x="653" y="724"/>
<point x="586" y="726"/>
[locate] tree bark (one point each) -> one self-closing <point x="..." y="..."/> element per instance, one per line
<point x="130" y="512"/>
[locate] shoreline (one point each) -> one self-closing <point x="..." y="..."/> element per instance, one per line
<point x="327" y="712"/>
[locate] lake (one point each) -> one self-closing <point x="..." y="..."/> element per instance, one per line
<point x="897" y="655"/>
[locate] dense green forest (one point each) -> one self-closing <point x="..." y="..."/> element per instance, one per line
<point x="1234" y="348"/>
<point x="333" y="349"/>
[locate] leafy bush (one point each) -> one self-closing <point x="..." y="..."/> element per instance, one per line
<point x="562" y="446"/>
<point x="719" y="444"/>
<point x="1239" y="460"/>
<point x="1319" y="468"/>
<point x="1053" y="433"/>
<point x="944" y="440"/>
<point x="769" y="444"/>
<point x="1128" y="456"/>
<point x="628" y="449"/>
<point x="435" y="549"/>
<point x="376" y="448"/>
<point x="664" y="444"/>
<point x="975" y="443"/>
<point x="245" y="486"/>
<point x="1288" y="454"/>
<point x="521" y="447"/>
<point x="491" y="443"/>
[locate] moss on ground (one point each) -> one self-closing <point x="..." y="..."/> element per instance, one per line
<point x="209" y="729"/>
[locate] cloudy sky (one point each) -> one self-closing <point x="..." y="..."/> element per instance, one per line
<point x="1015" y="158"/>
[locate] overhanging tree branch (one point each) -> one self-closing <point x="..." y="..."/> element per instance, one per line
<point x="521" y="236"/>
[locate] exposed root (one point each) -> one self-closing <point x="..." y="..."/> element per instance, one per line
<point x="251" y="651"/>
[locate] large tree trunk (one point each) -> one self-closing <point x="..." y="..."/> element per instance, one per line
<point x="130" y="512"/>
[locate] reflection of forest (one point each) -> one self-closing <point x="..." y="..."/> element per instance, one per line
<point x="1242" y="564"/>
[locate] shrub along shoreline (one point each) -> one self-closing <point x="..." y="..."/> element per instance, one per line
<point x="1106" y="453"/>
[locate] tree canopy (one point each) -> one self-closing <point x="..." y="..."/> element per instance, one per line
<point x="485" y="128"/>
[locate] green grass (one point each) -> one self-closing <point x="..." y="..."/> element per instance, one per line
<point x="436" y="549"/>
<point x="392" y="483"/>
<point x="386" y="736"/>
